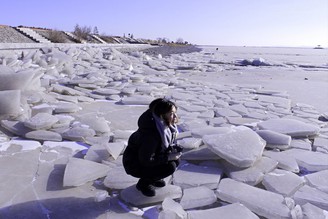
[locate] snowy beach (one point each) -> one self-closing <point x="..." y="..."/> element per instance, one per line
<point x="253" y="124"/>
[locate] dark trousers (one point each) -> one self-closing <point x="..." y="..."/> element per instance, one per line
<point x="151" y="174"/>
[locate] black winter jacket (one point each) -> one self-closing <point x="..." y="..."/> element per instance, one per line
<point x="144" y="148"/>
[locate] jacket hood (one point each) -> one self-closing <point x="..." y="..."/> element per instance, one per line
<point x="146" y="121"/>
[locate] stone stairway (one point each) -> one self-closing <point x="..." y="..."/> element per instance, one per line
<point x="32" y="34"/>
<point x="74" y="37"/>
<point x="99" y="39"/>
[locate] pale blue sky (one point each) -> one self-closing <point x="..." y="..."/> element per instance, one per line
<point x="202" y="22"/>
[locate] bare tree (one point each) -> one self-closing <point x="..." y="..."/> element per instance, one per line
<point x="179" y="41"/>
<point x="82" y="32"/>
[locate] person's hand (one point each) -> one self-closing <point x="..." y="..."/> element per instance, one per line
<point x="174" y="156"/>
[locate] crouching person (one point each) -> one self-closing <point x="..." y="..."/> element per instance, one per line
<point x="150" y="154"/>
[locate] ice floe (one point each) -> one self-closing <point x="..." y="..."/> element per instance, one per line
<point x="67" y="113"/>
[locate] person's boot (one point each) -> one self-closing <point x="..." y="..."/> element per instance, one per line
<point x="159" y="183"/>
<point x="145" y="187"/>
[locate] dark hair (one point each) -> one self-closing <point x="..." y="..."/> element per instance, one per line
<point x="153" y="103"/>
<point x="163" y="106"/>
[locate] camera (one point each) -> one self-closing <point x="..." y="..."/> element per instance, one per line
<point x="177" y="148"/>
<point x="174" y="149"/>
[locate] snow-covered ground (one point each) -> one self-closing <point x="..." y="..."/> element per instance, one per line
<point x="253" y="124"/>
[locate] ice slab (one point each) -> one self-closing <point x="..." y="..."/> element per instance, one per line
<point x="191" y="175"/>
<point x="249" y="122"/>
<point x="118" y="179"/>
<point x="190" y="143"/>
<point x="170" y="205"/>
<point x="21" y="169"/>
<point x="10" y="102"/>
<point x="290" y="127"/>
<point x="201" y="153"/>
<point x="16" y="81"/>
<point x="209" y="130"/>
<point x="41" y="121"/>
<point x="66" y="107"/>
<point x="44" y="135"/>
<point x="79" y="171"/>
<point x="78" y="134"/>
<point x="304" y="144"/>
<point x="191" y="124"/>
<point x="261" y="202"/>
<point x="115" y="149"/>
<point x="137" y="100"/>
<point x="318" y="180"/>
<point x="274" y="138"/>
<point x="197" y="197"/>
<point x="66" y="90"/>
<point x="309" y="160"/>
<point x="19" y="145"/>
<point x="231" y="211"/>
<point x="132" y="196"/>
<point x="224" y="112"/>
<point x="313" y="212"/>
<point x="252" y="175"/>
<point x="277" y="101"/>
<point x="282" y="182"/>
<point x="285" y="161"/>
<point x="307" y="194"/>
<point x="74" y="146"/>
<point x="320" y="144"/>
<point x="15" y="127"/>
<point x="241" y="146"/>
<point x="97" y="153"/>
<point x="99" y="124"/>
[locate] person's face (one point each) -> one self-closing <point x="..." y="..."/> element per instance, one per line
<point x="171" y="117"/>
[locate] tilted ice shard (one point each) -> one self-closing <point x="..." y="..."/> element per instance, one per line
<point x="241" y="146"/>
<point x="79" y="171"/>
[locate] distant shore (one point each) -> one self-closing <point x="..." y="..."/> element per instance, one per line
<point x="168" y="50"/>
